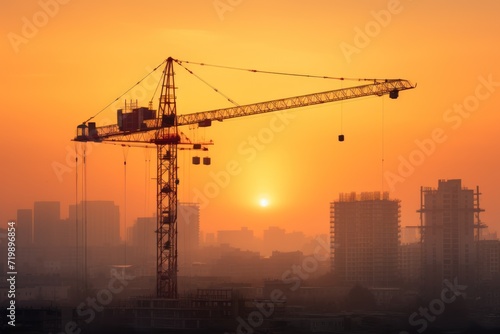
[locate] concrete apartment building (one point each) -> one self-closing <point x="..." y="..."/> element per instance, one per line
<point x="449" y="251"/>
<point x="365" y="239"/>
<point x="188" y="237"/>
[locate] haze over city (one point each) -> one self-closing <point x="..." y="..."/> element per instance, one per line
<point x="69" y="71"/>
<point x="67" y="62"/>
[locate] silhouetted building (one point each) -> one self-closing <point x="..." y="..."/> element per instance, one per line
<point x="410" y="234"/>
<point x="97" y="238"/>
<point x="188" y="237"/>
<point x="272" y="238"/>
<point x="102" y="221"/>
<point x="488" y="263"/>
<point x="47" y="220"/>
<point x="277" y="239"/>
<point x="24" y="228"/>
<point x="143" y="243"/>
<point x="143" y="236"/>
<point x="365" y="239"/>
<point x="243" y="239"/>
<point x="241" y="265"/>
<point x="410" y="262"/>
<point x="209" y="239"/>
<point x="280" y="262"/>
<point x="487" y="286"/>
<point x="448" y="233"/>
<point x="486" y="234"/>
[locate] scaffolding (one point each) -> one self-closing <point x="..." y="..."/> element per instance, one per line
<point x="364" y="196"/>
<point x="429" y="228"/>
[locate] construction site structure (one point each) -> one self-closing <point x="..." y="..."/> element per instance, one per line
<point x="160" y="128"/>
<point x="450" y="225"/>
<point x="364" y="229"/>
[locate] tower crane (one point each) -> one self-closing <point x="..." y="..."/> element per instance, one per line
<point x="161" y="129"/>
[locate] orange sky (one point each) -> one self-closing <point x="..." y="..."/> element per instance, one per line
<point x="63" y="61"/>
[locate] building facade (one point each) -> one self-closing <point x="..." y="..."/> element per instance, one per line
<point x="448" y="233"/>
<point x="488" y="265"/>
<point x="24" y="233"/>
<point x="101" y="219"/>
<point x="46" y="223"/>
<point x="188" y="237"/>
<point x="365" y="239"/>
<point x="410" y="262"/>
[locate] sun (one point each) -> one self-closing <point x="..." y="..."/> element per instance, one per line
<point x="264" y="202"/>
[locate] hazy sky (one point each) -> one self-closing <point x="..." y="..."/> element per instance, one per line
<point x="63" y="61"/>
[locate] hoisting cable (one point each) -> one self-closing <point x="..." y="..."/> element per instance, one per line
<point x="128" y="90"/>
<point x="383" y="142"/>
<point x="84" y="215"/>
<point x="342" y="113"/>
<point x="125" y="154"/>
<point x="76" y="219"/>
<point x="147" y="161"/>
<point x="209" y="85"/>
<point x="281" y="73"/>
<point x="162" y="77"/>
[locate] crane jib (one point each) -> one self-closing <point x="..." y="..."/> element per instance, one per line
<point x="205" y="118"/>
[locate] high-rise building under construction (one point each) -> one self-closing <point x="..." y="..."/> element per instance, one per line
<point x="447" y="223"/>
<point x="365" y="239"/>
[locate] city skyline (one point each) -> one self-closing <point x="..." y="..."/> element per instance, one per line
<point x="369" y="269"/>
<point x="407" y="237"/>
<point x="441" y="129"/>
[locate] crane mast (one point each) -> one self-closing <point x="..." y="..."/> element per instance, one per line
<point x="166" y="140"/>
<point x="162" y="131"/>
